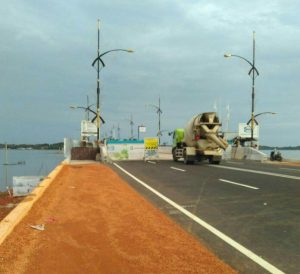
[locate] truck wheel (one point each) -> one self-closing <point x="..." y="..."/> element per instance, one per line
<point x="175" y="159"/>
<point x="186" y="160"/>
<point x="214" y="162"/>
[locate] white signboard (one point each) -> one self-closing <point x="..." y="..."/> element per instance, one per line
<point x="23" y="185"/>
<point x="142" y="129"/>
<point x="245" y="131"/>
<point x="88" y="128"/>
<point x="126" y="151"/>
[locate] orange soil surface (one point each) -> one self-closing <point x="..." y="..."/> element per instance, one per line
<point x="295" y="163"/>
<point x="96" y="223"/>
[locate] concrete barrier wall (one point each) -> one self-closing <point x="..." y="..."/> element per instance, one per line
<point x="227" y="153"/>
<point x="247" y="153"/>
<point x="165" y="150"/>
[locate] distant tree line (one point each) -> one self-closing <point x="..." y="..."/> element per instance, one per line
<point x="282" y="148"/>
<point x="56" y="146"/>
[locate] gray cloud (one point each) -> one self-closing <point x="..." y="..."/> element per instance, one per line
<point x="47" y="48"/>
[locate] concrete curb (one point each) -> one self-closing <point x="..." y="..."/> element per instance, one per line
<point x="8" y="224"/>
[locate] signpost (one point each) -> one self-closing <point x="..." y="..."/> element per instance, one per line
<point x="245" y="131"/>
<point x="141" y="129"/>
<point x="151" y="148"/>
<point x="88" y="128"/>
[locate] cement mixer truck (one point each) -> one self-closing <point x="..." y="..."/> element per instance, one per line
<point x="200" y="140"/>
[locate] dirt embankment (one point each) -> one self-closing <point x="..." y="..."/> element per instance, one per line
<point x="283" y="163"/>
<point x="7" y="203"/>
<point x="96" y="223"/>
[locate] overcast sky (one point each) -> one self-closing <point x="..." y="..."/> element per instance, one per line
<point x="47" y="48"/>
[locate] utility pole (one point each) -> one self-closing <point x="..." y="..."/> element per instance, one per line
<point x="98" y="87"/>
<point x="253" y="90"/>
<point x="253" y="72"/>
<point x="119" y="135"/>
<point x="112" y="133"/>
<point x="131" y="125"/>
<point x="98" y="60"/>
<point x="159" y="111"/>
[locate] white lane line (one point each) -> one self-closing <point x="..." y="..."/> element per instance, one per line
<point x="263" y="263"/>
<point x="230" y="182"/>
<point x="178" y="169"/>
<point x="293" y="169"/>
<point x="150" y="162"/>
<point x="236" y="163"/>
<point x="258" y="172"/>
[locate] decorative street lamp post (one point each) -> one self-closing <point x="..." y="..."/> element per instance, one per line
<point x="98" y="60"/>
<point x="119" y="132"/>
<point x="131" y="123"/>
<point x="159" y="112"/>
<point x="252" y="71"/>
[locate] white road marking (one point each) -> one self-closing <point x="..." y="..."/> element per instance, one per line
<point x="293" y="169"/>
<point x="236" y="163"/>
<point x="178" y="169"/>
<point x="258" y="172"/>
<point x="230" y="182"/>
<point x="263" y="263"/>
<point x="150" y="162"/>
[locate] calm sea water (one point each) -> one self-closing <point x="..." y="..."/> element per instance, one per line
<point x="37" y="163"/>
<point x="286" y="154"/>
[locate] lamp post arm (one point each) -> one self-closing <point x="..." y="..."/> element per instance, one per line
<point x="85" y="108"/>
<point x="252" y="65"/>
<point x="94" y="112"/>
<point x="101" y="61"/>
<point x="126" y="50"/>
<point x="93" y="120"/>
<point x="156" y="107"/>
<point x="81" y="107"/>
<point x="266" y="112"/>
<point x="241" y="57"/>
<point x="253" y="68"/>
<point x="254" y="121"/>
<point x="91" y="110"/>
<point x="102" y="54"/>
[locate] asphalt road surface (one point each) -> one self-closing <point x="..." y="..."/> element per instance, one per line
<point x="247" y="213"/>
